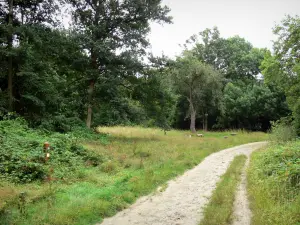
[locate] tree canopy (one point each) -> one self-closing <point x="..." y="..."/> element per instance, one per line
<point x="282" y="68"/>
<point x="99" y="70"/>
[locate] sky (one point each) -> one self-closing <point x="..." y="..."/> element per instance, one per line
<point x="250" y="19"/>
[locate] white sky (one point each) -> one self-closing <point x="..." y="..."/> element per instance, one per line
<point x="251" y="19"/>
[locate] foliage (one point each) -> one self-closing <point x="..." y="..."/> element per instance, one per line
<point x="95" y="71"/>
<point x="198" y="83"/>
<point x="251" y="106"/>
<point x="245" y="102"/>
<point x="220" y="207"/>
<point x="115" y="44"/>
<point x="283" y="131"/>
<point x="26" y="163"/>
<point x="282" y="68"/>
<point x="274" y="184"/>
<point x="158" y="97"/>
<point x="234" y="57"/>
<point x="52" y="67"/>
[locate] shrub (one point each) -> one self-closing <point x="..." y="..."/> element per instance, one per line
<point x="22" y="158"/>
<point x="283" y="131"/>
<point x="274" y="182"/>
<point x="61" y="123"/>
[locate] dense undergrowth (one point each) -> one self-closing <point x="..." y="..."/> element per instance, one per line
<point x="94" y="175"/>
<point x="22" y="158"/>
<point x="274" y="184"/>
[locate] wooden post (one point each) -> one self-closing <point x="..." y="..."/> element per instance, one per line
<point x="46" y="151"/>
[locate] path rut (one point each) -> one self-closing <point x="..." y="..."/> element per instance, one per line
<point x="184" y="198"/>
<point x="242" y="213"/>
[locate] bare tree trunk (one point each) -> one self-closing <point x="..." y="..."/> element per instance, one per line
<point x="10" y="61"/>
<point x="193" y="113"/>
<point x="90" y="97"/>
<point x="193" y="117"/>
<point x="193" y="121"/>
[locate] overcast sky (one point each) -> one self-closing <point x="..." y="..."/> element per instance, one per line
<point x="251" y="19"/>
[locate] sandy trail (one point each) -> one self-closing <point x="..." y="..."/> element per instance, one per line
<point x="182" y="202"/>
<point x="242" y="212"/>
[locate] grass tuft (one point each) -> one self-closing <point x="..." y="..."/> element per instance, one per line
<point x="220" y="208"/>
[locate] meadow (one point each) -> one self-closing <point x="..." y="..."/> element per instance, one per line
<point x="116" y="169"/>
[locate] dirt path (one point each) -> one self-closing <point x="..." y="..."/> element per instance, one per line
<point x="242" y="213"/>
<point x="181" y="203"/>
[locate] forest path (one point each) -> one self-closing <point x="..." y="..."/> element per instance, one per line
<point x="183" y="200"/>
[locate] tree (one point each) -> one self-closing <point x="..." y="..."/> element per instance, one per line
<point x="114" y="36"/>
<point x="158" y="97"/>
<point x="283" y="67"/>
<point x="234" y="57"/>
<point x="13" y="16"/>
<point x="46" y="70"/>
<point x="199" y="83"/>
<point x="251" y="106"/>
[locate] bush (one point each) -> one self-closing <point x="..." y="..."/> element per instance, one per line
<point x="283" y="131"/>
<point x="22" y="158"/>
<point x="61" y="123"/>
<point x="274" y="184"/>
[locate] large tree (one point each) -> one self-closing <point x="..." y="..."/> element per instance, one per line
<point x="198" y="83"/>
<point x="234" y="57"/>
<point x="114" y="35"/>
<point x="251" y="106"/>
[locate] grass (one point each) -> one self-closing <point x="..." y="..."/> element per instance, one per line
<point x="274" y="185"/>
<point x="136" y="161"/>
<point x="220" y="208"/>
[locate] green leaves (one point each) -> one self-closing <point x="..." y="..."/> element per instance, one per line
<point x="22" y="156"/>
<point x="251" y="106"/>
<point x="283" y="68"/>
<point x="198" y="83"/>
<point x="234" y="57"/>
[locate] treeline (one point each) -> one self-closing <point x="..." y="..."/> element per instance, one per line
<point x="99" y="71"/>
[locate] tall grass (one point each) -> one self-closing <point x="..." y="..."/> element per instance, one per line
<point x="220" y="208"/>
<point x="135" y="161"/>
<point x="274" y="185"/>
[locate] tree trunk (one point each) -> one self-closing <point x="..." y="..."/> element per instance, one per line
<point x="10" y="61"/>
<point x="193" y="121"/>
<point x="90" y="97"/>
<point x="193" y="117"/>
<point x="91" y="90"/>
